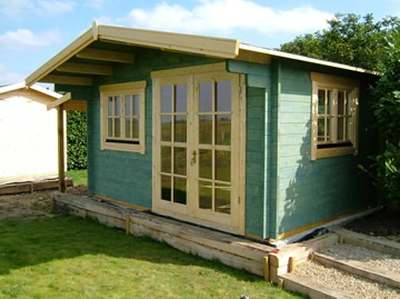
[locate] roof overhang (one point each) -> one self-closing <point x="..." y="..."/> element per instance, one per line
<point x="79" y="63"/>
<point x="208" y="46"/>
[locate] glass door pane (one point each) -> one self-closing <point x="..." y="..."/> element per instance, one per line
<point x="214" y="146"/>
<point x="173" y="142"/>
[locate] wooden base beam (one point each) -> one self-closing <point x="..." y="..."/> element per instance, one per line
<point x="28" y="187"/>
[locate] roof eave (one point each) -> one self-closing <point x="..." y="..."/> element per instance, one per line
<point x="68" y="52"/>
<point x="307" y="59"/>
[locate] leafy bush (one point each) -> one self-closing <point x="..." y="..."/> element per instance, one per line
<point x="76" y="140"/>
<point x="387" y="116"/>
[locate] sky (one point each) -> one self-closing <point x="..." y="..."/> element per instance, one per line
<point x="32" y="31"/>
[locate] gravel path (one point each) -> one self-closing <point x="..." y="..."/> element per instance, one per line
<point x="374" y="259"/>
<point x="351" y="285"/>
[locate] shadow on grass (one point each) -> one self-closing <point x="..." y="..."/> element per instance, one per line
<point x="28" y="243"/>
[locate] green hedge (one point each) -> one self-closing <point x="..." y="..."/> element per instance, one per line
<point x="76" y="140"/>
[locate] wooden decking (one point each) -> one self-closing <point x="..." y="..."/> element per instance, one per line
<point x="230" y="250"/>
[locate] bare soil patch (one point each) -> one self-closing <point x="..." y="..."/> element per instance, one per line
<point x="31" y="205"/>
<point x="384" y="223"/>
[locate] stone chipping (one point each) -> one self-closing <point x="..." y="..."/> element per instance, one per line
<point x="350" y="285"/>
<point x="371" y="258"/>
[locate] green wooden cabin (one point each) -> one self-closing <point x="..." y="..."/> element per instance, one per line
<point x="211" y="131"/>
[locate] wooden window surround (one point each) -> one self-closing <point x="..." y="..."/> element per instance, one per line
<point x="334" y="116"/>
<point x="122" y="116"/>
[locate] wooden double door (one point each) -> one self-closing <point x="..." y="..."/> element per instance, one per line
<point x="197" y="149"/>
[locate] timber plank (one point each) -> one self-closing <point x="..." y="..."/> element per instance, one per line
<point x="230" y="250"/>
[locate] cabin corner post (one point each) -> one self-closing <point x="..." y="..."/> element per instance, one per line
<point x="61" y="148"/>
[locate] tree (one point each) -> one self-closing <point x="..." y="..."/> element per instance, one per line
<point x="349" y="39"/>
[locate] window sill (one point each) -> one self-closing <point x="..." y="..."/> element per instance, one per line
<point x="134" y="148"/>
<point x="335" y="152"/>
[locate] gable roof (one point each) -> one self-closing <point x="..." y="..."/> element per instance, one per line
<point x="167" y="41"/>
<point x="22" y="85"/>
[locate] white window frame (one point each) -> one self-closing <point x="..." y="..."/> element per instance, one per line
<point x="122" y="89"/>
<point x="321" y="149"/>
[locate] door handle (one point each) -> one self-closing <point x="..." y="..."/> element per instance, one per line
<point x="194" y="158"/>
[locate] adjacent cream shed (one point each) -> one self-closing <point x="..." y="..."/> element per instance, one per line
<point x="28" y="134"/>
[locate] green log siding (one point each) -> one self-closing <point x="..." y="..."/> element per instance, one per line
<point x="258" y="81"/>
<point x="309" y="191"/>
<point x="123" y="175"/>
<point x="128" y="176"/>
<point x="284" y="188"/>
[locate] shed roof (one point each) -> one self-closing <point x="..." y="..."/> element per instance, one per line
<point x="67" y="67"/>
<point x="22" y="85"/>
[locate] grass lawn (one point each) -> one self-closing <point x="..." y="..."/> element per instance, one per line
<point x="78" y="176"/>
<point x="67" y="257"/>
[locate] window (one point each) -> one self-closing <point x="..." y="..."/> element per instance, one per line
<point x="122" y="122"/>
<point x="335" y="109"/>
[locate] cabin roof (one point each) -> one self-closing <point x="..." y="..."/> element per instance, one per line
<point x="60" y="68"/>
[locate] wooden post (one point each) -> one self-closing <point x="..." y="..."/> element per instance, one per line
<point x="61" y="147"/>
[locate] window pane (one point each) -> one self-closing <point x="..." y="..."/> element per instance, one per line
<point x="117" y="106"/>
<point x="166" y="98"/>
<point x="110" y="105"/>
<point x="128" y="105"/>
<point x="117" y="127"/>
<point x="110" y="127"/>
<point x="223" y="166"/>
<point x="135" y="128"/>
<point x="205" y="129"/>
<point x="180" y="160"/>
<point x="223" y="96"/>
<point x="340" y="102"/>
<point x="340" y="129"/>
<point x="328" y="129"/>
<point x="166" y="159"/>
<point x="205" y="97"/>
<point x="180" y="98"/>
<point x="321" y="129"/>
<point x="321" y="101"/>
<point x="166" y="128"/>
<point x="349" y="128"/>
<point x="330" y="102"/>
<point x="349" y="103"/>
<point x="205" y="164"/>
<point x="180" y="190"/>
<point x="166" y="188"/>
<point x="136" y="105"/>
<point x="128" y="126"/>
<point x="205" y="195"/>
<point x="223" y="129"/>
<point x="180" y="128"/>
<point x="222" y="199"/>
